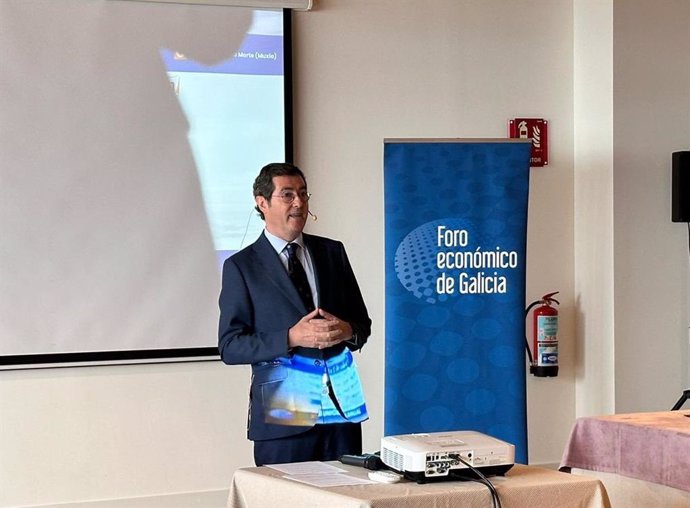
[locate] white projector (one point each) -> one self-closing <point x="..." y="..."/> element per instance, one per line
<point x="436" y="456"/>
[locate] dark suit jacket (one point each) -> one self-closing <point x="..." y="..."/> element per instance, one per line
<point x="259" y="303"/>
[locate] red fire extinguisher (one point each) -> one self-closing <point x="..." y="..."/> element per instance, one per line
<point x="544" y="360"/>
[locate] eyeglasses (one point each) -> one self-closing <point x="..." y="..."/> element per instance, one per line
<point x="288" y="197"/>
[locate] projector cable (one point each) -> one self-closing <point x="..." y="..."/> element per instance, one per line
<point x="481" y="479"/>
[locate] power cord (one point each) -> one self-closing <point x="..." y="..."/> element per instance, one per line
<point x="481" y="479"/>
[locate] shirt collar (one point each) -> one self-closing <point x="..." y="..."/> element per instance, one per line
<point x="279" y="244"/>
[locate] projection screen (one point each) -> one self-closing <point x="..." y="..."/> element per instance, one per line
<point x="130" y="134"/>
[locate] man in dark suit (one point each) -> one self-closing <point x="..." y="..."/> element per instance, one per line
<point x="291" y="307"/>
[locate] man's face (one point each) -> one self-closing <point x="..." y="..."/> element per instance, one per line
<point x="285" y="220"/>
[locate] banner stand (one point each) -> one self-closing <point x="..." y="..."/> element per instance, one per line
<point x="455" y="246"/>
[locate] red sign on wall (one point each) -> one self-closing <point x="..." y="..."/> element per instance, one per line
<point x="537" y="130"/>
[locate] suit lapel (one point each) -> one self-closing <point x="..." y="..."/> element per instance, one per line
<point x="276" y="273"/>
<point x="315" y="253"/>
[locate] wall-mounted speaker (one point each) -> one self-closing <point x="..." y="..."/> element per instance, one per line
<point x="680" y="187"/>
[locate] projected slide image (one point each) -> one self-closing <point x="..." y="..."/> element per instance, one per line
<point x="236" y="125"/>
<point x="127" y="166"/>
<point x="302" y="392"/>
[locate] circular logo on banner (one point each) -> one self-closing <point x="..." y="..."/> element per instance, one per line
<point x="416" y="262"/>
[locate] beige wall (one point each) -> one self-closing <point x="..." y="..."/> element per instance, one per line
<point x="593" y="136"/>
<point x="651" y="76"/>
<point x="631" y="280"/>
<point x="364" y="71"/>
<point x="631" y="98"/>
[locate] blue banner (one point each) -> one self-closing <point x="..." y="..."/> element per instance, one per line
<point x="455" y="225"/>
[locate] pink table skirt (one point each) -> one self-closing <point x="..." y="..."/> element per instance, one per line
<point x="648" y="446"/>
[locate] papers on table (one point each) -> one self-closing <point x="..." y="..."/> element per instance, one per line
<point x="318" y="474"/>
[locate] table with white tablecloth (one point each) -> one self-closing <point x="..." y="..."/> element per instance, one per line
<point x="522" y="487"/>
